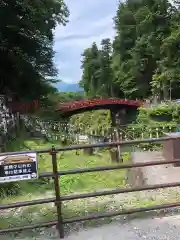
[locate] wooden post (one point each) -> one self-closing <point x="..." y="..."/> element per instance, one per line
<point x="58" y="202"/>
<point x="118" y="147"/>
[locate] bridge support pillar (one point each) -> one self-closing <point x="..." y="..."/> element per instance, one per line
<point x="113" y="118"/>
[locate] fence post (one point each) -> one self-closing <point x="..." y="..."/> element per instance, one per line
<point x="58" y="202"/>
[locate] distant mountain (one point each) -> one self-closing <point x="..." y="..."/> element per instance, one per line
<point x="68" y="87"/>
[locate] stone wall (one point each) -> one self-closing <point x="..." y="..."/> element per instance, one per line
<point x="7" y="121"/>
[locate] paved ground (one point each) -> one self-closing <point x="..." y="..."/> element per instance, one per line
<point x="156" y="174"/>
<point x="162" y="228"/>
<point x="166" y="228"/>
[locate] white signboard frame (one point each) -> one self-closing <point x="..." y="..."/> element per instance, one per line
<point x="18" y="167"/>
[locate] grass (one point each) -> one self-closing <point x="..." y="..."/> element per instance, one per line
<point x="69" y="160"/>
<point x="47" y="212"/>
<point x="87" y="182"/>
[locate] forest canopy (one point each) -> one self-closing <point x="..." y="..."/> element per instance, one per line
<point x="143" y="60"/>
<point x="26" y="46"/>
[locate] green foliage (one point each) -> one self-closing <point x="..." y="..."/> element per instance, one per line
<point x="70" y="96"/>
<point x="97" y="77"/>
<point x="143" y="60"/>
<point x="91" y="121"/>
<point x="66" y="161"/>
<point x="26" y="50"/>
<point x="162" y="113"/>
<point x="51" y="102"/>
<point x="161" y="110"/>
<point x="153" y="121"/>
<point x="157" y="120"/>
<point x="9" y="189"/>
<point x="22" y="144"/>
<point x="171" y="110"/>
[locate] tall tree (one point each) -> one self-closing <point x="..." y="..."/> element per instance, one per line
<point x="145" y="58"/>
<point x="125" y="26"/>
<point x="91" y="71"/>
<point x="139" y="54"/>
<point x="166" y="81"/>
<point x="105" y="86"/>
<point x="26" y="49"/>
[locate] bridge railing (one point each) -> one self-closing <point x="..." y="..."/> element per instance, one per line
<point x="58" y="199"/>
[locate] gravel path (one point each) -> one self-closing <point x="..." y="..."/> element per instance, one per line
<point x="166" y="228"/>
<point x="156" y="174"/>
<point x="150" y="228"/>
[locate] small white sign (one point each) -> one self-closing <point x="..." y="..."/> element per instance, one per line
<point x="83" y="138"/>
<point x="17" y="167"/>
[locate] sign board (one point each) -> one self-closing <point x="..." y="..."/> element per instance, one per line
<point x="18" y="167"/>
<point x="82" y="138"/>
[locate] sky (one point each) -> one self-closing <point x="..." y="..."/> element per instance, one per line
<point x="89" y="21"/>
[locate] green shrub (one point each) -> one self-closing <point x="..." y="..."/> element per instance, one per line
<point x="156" y="121"/>
<point x="9" y="189"/>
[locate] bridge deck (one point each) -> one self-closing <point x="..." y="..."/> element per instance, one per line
<point x="75" y="107"/>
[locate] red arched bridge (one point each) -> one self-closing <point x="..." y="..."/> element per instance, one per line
<point x="113" y="104"/>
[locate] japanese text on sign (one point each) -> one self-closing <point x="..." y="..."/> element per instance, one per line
<point x="18" y="167"/>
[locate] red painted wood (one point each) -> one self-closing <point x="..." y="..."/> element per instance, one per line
<point x="76" y="105"/>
